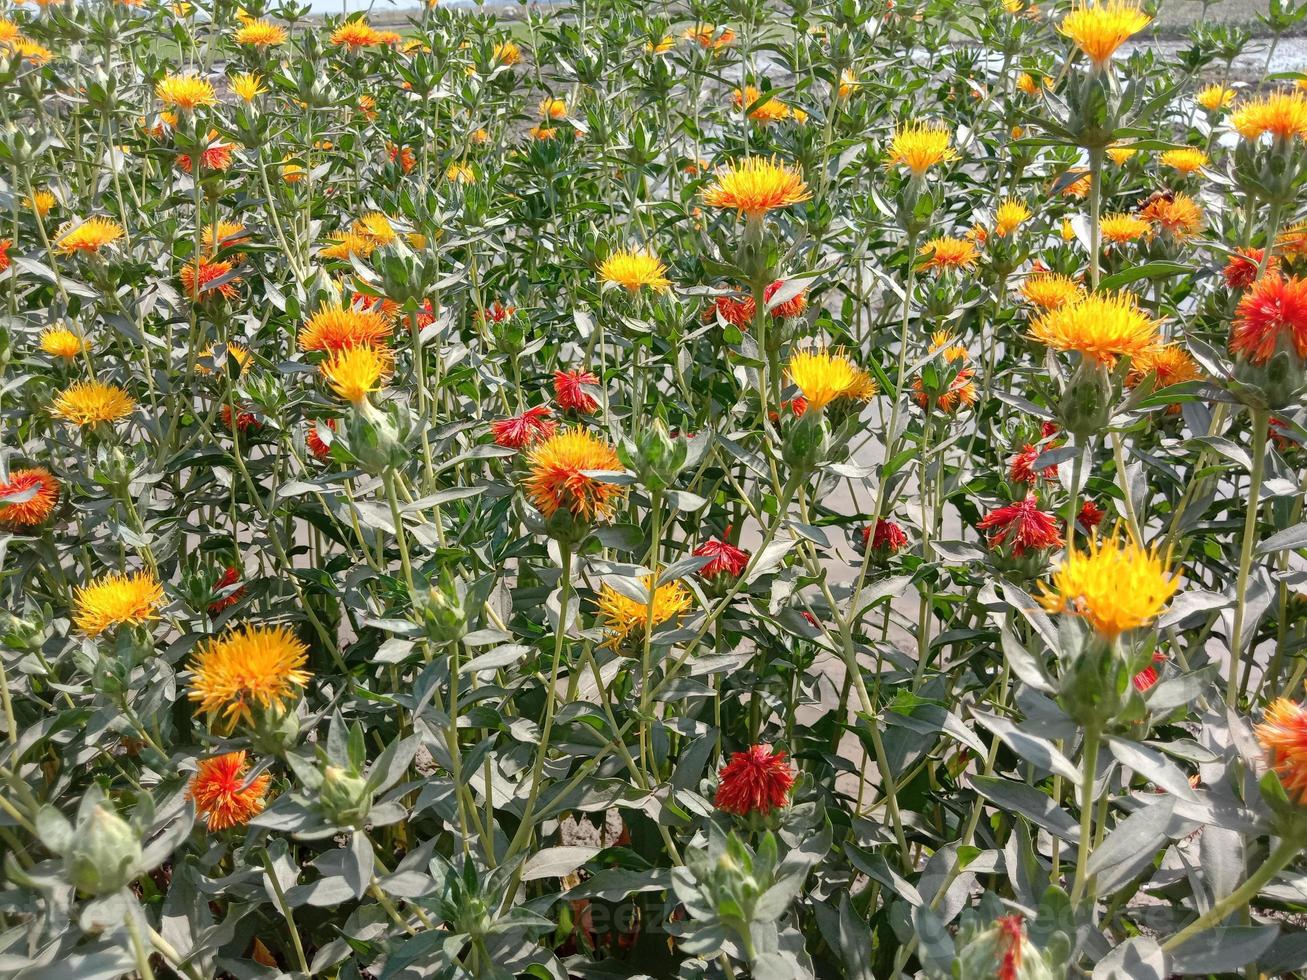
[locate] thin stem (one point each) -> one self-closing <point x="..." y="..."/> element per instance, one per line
<point x="1090" y="761"/>
<point x="1261" y="421"/>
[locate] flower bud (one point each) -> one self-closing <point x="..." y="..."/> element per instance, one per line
<point x="379" y="439"/>
<point x="104" y="853"/>
<point x="1086" y="405"/>
<point x="345" y="799"/>
<point x="1003" y="950"/>
<point x="654" y="456"/>
<point x="443" y="612"/>
<point x="806" y="442"/>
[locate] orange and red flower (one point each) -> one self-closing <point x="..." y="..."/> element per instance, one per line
<point x="224" y="795"/>
<point x="314" y="441"/>
<point x="1283" y="734"/>
<point x="520" y="431"/>
<point x="32" y="510"/>
<point x="230" y="576"/>
<point x="1022" y="526"/>
<point x="570" y="393"/>
<point x="726" y="558"/>
<point x="889" y="538"/>
<point x="1241" y="268"/>
<point x="1274" y="309"/>
<point x="756" y="781"/>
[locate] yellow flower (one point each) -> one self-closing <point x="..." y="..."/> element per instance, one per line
<point x="41" y="202"/>
<point x="773" y="110"/>
<point x="246" y="668"/>
<point x="1011" y="215"/>
<point x="226" y="233"/>
<point x="347" y="243"/>
<point x="187" y="92"/>
<point x="624" y="617"/>
<point x="355" y="34"/>
<point x="9" y="31"/>
<point x="116" y="600"/>
<point x="1098" y="28"/>
<point x="88" y="236"/>
<point x="823" y="376"/>
<point x="1214" y="97"/>
<point x="1186" y="160"/>
<point x="1114" y="588"/>
<point x="1027" y="84"/>
<point x="507" y="53"/>
<point x="633" y="269"/>
<point x="551" y="108"/>
<point x="355" y="372"/>
<point x="849" y="82"/>
<point x="88" y="403"/>
<point x="460" y="173"/>
<point x="236" y="354"/>
<point x="31" y="52"/>
<point x="335" y="327"/>
<point x="1122" y="228"/>
<point x="377" y="227"/>
<point x="1100" y="326"/>
<point x="557" y="479"/>
<point x="920" y="146"/>
<point x="291" y="172"/>
<point x="942" y="340"/>
<point x="1067" y="231"/>
<point x="59" y="341"/>
<point x="1119" y="153"/>
<point x="1048" y="290"/>
<point x="1179" y="216"/>
<point x="1282" y="114"/>
<point x="260" y="34"/>
<point x="661" y="46"/>
<point x="756" y="185"/>
<point x="946" y="252"/>
<point x="248" y="86"/>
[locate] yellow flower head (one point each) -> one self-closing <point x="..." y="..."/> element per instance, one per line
<point x="552" y="108"/>
<point x="248" y="86"/>
<point x="335" y="327"/>
<point x="920" y="146"/>
<point x="41" y="202"/>
<point x="186" y="92"/>
<point x="246" y="668"/>
<point x="1214" y="97"/>
<point x="1187" y="160"/>
<point x="88" y="236"/>
<point x="1011" y="215"/>
<point x="771" y="111"/>
<point x="949" y="253"/>
<point x="557" y="479"/>
<point x="355" y="34"/>
<point x="1179" y="216"/>
<point x="1122" y="228"/>
<point x="356" y="372"/>
<point x="1119" y="153"/>
<point x="624" y="617"/>
<point x="59" y="341"/>
<point x="9" y="31"/>
<point x="460" y="173"/>
<point x="260" y="34"/>
<point x="823" y="376"/>
<point x="633" y="269"/>
<point x="116" y="600"/>
<point x="507" y="53"/>
<point x="1027" y="84"/>
<point x="849" y="82"/>
<point x="227" y="233"/>
<point x="1113" y="587"/>
<point x="756" y="185"/>
<point x="1099" y="28"/>
<point x="1049" y="290"/>
<point x="377" y="227"/>
<point x="942" y="340"/>
<point x="660" y="46"/>
<point x="88" y="403"/>
<point x="1100" y="326"/>
<point x="1282" y="114"/>
<point x="1170" y="364"/>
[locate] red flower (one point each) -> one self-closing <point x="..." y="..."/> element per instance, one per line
<point x="794" y="306"/>
<point x="1010" y="934"/>
<point x="737" y="312"/>
<point x="1022" y="468"/>
<point x="245" y="421"/>
<point x="215" y="156"/>
<point x="522" y="430"/>
<point x="497" y="312"/>
<point x="316" y="446"/>
<point x="1047" y="429"/>
<point x="570" y="394"/>
<point x="5" y="245"/>
<point x="756" y="781"/>
<point x="36" y="508"/>
<point x="889" y="538"/>
<point x="1023" y="525"/>
<point x="230" y="577"/>
<point x="1091" y="515"/>
<point x="403" y="155"/>
<point x="1275" y="307"/>
<point x="1147" y="677"/>
<point x="726" y="558"/>
<point x="1278" y="432"/>
<point x="1240" y="270"/>
<point x="223" y="793"/>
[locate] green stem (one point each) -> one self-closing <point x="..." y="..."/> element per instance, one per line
<point x="1090" y="761"/>
<point x="1261" y="421"/>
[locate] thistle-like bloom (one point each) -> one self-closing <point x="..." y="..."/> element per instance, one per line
<point x="248" y="86"/>
<point x="920" y="146"/>
<point x="959" y="393"/>
<point x="946" y="252"/>
<point x="377" y="227"/>
<point x="1242" y="268"/>
<point x="1215" y="97"/>
<point x="1021" y="469"/>
<point x="319" y="448"/>
<point x="88" y="403"/>
<point x="1274" y="309"/>
<point x="460" y="173"/>
<point x="246" y="668"/>
<point x="335" y="327"/>
<point x="186" y="92"/>
<point x="356" y="34"/>
<point x="222" y="793"/>
<point x="624" y="617"/>
<point x="888" y="538"/>
<point x="823" y="376"/>
<point x="1098" y="28"/>
<point x="88" y="236"/>
<point x="41" y="202"/>
<point x="1122" y="228"/>
<point x="849" y="82"/>
<point x="755" y="185"/>
<point x="1099" y="326"/>
<point x="726" y="558"/>
<point x="223" y="235"/>
<point x="198" y="283"/>
<point x="570" y="393"/>
<point x="756" y="781"/>
<point x="1283" y="734"/>
<point x="1145" y="680"/>
<point x="1021" y="525"/>
<point x="1187" y="160"/>
<point x="771" y="111"/>
<point x="557" y="477"/>
<point x="633" y="269"/>
<point x="230" y="576"/>
<point x="1282" y="114"/>
<point x="1091" y="515"/>
<point x="520" y="431"/>
<point x="59" y="341"/>
<point x="260" y="34"/>
<point x="1027" y="85"/>
<point x="792" y="307"/>
<point x="1113" y="587"/>
<point x="1179" y="217"/>
<point x="552" y="108"/>
<point x="1170" y="364"/>
<point x="215" y="155"/>
<point x="1011" y="214"/>
<point x="347" y="243"/>
<point x="44" y="490"/>
<point x="1050" y="291"/>
<point x="1119" y="153"/>
<point x="356" y="372"/>
<point x="116" y="600"/>
<point x="738" y="312"/>
<point x="507" y="53"/>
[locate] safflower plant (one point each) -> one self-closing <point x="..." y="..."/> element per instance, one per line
<point x="738" y="490"/>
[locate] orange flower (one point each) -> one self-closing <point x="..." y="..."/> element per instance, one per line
<point x="1272" y="312"/>
<point x="1282" y="114"/>
<point x="44" y="490"/>
<point x="756" y="185"/>
<point x="557" y="475"/>
<point x="1283" y="734"/>
<point x="335" y="327"/>
<point x="223" y="795"/>
<point x="355" y="34"/>
<point x="1179" y="216"/>
<point x="1049" y="290"/>
<point x="771" y="111"/>
<point x="198" y="286"/>
<point x="949" y="253"/>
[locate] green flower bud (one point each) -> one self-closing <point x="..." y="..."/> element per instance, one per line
<point x="344" y="798"/>
<point x="654" y="456"/>
<point x="104" y="854"/>
<point x="806" y="442"/>
<point x="1086" y="405"/>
